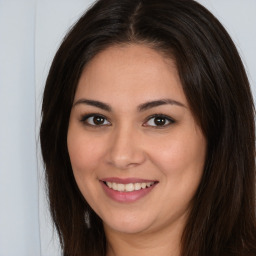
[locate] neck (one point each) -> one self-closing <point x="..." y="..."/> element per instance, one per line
<point x="161" y="243"/>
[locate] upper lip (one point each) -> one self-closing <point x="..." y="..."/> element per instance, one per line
<point x="126" y="180"/>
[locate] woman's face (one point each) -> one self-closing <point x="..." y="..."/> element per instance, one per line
<point x="136" y="150"/>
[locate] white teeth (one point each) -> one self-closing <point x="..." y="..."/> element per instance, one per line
<point x="143" y="185"/>
<point x="109" y="184"/>
<point x="120" y="187"/>
<point x="128" y="187"/>
<point x="137" y="186"/>
<point x="114" y="186"/>
<point x="148" y="184"/>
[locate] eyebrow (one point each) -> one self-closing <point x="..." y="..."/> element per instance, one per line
<point x="141" y="107"/>
<point x="94" y="103"/>
<point x="156" y="103"/>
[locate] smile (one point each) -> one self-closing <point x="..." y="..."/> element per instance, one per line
<point x="127" y="190"/>
<point x="128" y="187"/>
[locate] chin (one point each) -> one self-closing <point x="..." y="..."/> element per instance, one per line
<point x="127" y="229"/>
<point x="128" y="225"/>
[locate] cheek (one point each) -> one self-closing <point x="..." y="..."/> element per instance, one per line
<point x="181" y="161"/>
<point x="84" y="154"/>
<point x="84" y="157"/>
<point x="183" y="153"/>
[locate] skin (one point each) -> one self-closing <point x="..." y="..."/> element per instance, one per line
<point x="129" y="144"/>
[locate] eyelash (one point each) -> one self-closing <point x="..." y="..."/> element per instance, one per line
<point x="84" y="120"/>
<point x="169" y="120"/>
<point x="160" y="116"/>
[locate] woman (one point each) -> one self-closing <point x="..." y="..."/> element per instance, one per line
<point x="147" y="134"/>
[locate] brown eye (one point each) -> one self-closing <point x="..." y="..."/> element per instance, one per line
<point x="160" y="121"/>
<point x="98" y="120"/>
<point x="95" y="120"/>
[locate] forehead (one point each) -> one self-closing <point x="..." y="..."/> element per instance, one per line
<point x="130" y="71"/>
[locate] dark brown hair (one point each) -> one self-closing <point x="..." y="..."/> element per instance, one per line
<point x="222" y="219"/>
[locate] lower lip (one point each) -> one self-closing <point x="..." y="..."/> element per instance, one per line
<point x="126" y="197"/>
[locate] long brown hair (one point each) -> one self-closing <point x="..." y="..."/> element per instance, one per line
<point x="222" y="219"/>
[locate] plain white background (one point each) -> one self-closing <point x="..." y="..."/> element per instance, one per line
<point x="30" y="33"/>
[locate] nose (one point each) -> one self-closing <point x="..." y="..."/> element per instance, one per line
<point x="125" y="148"/>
